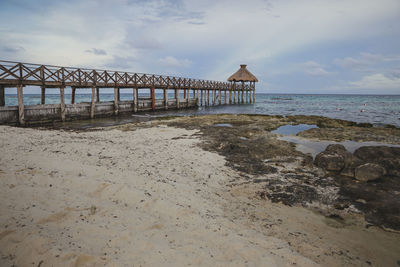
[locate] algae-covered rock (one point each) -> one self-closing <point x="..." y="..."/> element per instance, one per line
<point x="334" y="158"/>
<point x="387" y="157"/>
<point x="369" y="172"/>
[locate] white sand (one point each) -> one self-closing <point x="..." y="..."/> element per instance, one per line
<point x="149" y="197"/>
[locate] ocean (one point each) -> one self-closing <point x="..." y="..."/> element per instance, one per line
<point x="375" y="109"/>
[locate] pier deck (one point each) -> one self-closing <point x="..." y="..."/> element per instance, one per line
<point x="18" y="75"/>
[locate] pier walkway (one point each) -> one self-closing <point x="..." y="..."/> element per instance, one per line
<point x="195" y="92"/>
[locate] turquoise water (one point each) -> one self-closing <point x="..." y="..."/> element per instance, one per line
<point x="376" y="109"/>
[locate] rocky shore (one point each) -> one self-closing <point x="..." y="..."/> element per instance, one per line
<point x="366" y="181"/>
<point x="207" y="190"/>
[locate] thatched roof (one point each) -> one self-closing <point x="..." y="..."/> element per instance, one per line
<point x="242" y="75"/>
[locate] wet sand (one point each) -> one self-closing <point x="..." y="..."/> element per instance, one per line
<point x="155" y="195"/>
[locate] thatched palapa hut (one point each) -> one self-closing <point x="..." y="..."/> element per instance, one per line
<point x="248" y="84"/>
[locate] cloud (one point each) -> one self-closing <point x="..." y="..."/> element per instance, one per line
<point x="377" y="81"/>
<point x="313" y="68"/>
<point x="144" y="42"/>
<point x="364" y="60"/>
<point x="170" y="61"/>
<point x="208" y="39"/>
<point x="12" y="49"/>
<point x="100" y="52"/>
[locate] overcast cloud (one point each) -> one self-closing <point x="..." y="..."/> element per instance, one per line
<point x="304" y="46"/>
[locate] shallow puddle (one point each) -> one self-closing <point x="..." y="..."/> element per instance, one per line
<point x="293" y="129"/>
<point x="223" y="125"/>
<point x="315" y="147"/>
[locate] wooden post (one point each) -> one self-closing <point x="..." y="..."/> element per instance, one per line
<point x="135" y="99"/>
<point x="92" y="104"/>
<point x="208" y="97"/>
<point x="250" y="99"/>
<point x="116" y="105"/>
<point x="119" y="95"/>
<point x="165" y="99"/>
<point x="21" y="115"/>
<point x="62" y="103"/>
<point x="43" y="95"/>
<point x="225" y="97"/>
<point x="97" y="94"/>
<point x="234" y="96"/>
<point x="247" y="96"/>
<point x="230" y="96"/>
<point x="254" y="95"/>
<point x="197" y="97"/>
<point x="2" y="98"/>
<point x="213" y="97"/>
<point x="188" y="97"/>
<point x="73" y="95"/>
<point x="201" y="97"/>
<point x="219" y="97"/>
<point x="184" y="93"/>
<point x="177" y="98"/>
<point x="242" y="92"/>
<point x="153" y="98"/>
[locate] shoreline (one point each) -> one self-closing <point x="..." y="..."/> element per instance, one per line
<point x="176" y="192"/>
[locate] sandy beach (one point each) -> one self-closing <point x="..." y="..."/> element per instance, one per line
<point x="153" y="196"/>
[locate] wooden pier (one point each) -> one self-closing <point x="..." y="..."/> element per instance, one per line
<point x="18" y="75"/>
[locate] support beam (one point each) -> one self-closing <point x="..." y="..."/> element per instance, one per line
<point x="219" y="96"/>
<point x="153" y="98"/>
<point x="43" y="95"/>
<point x="242" y="92"/>
<point x="230" y="96"/>
<point x="21" y="114"/>
<point x="97" y="94"/>
<point x="62" y="103"/>
<point x="73" y="95"/>
<point x="119" y="95"/>
<point x="188" y="97"/>
<point x="250" y="99"/>
<point x="135" y="99"/>
<point x="213" y="97"/>
<point x="254" y="95"/>
<point x="208" y="97"/>
<point x="247" y="96"/>
<point x="234" y="96"/>
<point x="177" y="97"/>
<point x="201" y="97"/>
<point x="165" y="99"/>
<point x="92" y="104"/>
<point x="197" y="97"/>
<point x="116" y="104"/>
<point x="2" y="97"/>
<point x="225" y="97"/>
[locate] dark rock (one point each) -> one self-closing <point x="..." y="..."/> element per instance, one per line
<point x="365" y="125"/>
<point x="334" y="158"/>
<point x="387" y="157"/>
<point x="330" y="162"/>
<point x="369" y="172"/>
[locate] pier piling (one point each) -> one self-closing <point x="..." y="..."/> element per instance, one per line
<point x="43" y="95"/>
<point x="2" y="97"/>
<point x="21" y="111"/>
<point x="92" y="103"/>
<point x="116" y="101"/>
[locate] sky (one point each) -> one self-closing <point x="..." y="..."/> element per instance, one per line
<point x="292" y="46"/>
